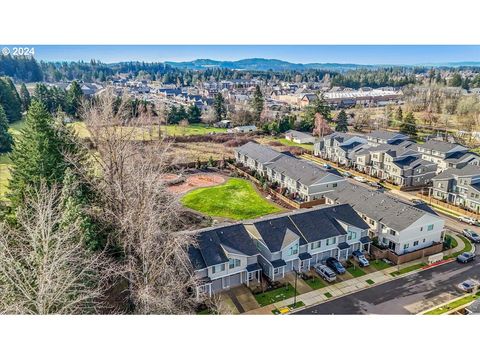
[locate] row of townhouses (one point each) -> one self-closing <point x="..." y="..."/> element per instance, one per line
<point x="460" y="187"/>
<point x="393" y="157"/>
<point x="304" y="179"/>
<point x="227" y="256"/>
<point x="398" y="225"/>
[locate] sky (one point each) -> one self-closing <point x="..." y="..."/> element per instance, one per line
<point x="357" y="54"/>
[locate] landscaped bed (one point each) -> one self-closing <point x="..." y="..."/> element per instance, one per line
<point x="236" y="199"/>
<point x="408" y="269"/>
<point x="273" y="296"/>
<point x="355" y="271"/>
<point x="380" y="264"/>
<point x="453" y="305"/>
<point x="315" y="283"/>
<point x="287" y="309"/>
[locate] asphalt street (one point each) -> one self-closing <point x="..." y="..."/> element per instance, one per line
<point x="407" y="295"/>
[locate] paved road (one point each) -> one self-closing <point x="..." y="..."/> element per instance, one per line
<point x="408" y="295"/>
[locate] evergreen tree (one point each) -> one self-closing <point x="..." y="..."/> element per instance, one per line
<point x="38" y="155"/>
<point x="342" y="124"/>
<point x="10" y="100"/>
<point x="409" y="126"/>
<point x="219" y="107"/>
<point x="194" y="114"/>
<point x="73" y="99"/>
<point x="319" y="106"/>
<point x="5" y="137"/>
<point x="25" y="97"/>
<point x="399" y="115"/>
<point x="258" y="103"/>
<point x="456" y="80"/>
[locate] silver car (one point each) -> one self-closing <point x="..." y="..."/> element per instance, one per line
<point x="325" y="273"/>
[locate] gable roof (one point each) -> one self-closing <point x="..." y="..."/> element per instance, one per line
<point x="466" y="171"/>
<point x="441" y="146"/>
<point x="278" y="232"/>
<point x="386" y="135"/>
<point x="263" y="154"/>
<point x="381" y="207"/>
<point x="299" y="134"/>
<point x="214" y="242"/>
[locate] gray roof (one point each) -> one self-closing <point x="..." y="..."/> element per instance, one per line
<point x="306" y="225"/>
<point x="385" y="135"/>
<point x="459" y="157"/>
<point x="299" y="134"/>
<point x="302" y="171"/>
<point x="412" y="162"/>
<point x="211" y="243"/>
<point x="263" y="154"/>
<point x="381" y="207"/>
<point x="466" y="171"/>
<point x="440" y="146"/>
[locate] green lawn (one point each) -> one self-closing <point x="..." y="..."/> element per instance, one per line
<point x="408" y="269"/>
<point x="236" y="199"/>
<point x="453" y="305"/>
<point x="379" y="264"/>
<point x="291" y="143"/>
<point x="273" y="296"/>
<point x="192" y="129"/>
<point x="355" y="271"/>
<point x="370" y="281"/>
<point x="315" y="283"/>
<point x="328" y="295"/>
<point x="5" y="161"/>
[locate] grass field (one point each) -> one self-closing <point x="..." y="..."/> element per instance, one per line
<point x="356" y="271"/>
<point x="5" y="161"/>
<point x="454" y="304"/>
<point x="236" y="199"/>
<point x="291" y="143"/>
<point x="315" y="283"/>
<point x="152" y="132"/>
<point x="379" y="264"/>
<point x="408" y="269"/>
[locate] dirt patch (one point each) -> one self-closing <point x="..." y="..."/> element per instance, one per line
<point x="197" y="181"/>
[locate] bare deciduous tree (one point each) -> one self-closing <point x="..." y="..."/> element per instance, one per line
<point x="144" y="216"/>
<point x="44" y="266"/>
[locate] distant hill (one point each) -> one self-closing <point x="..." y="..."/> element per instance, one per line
<point x="263" y="65"/>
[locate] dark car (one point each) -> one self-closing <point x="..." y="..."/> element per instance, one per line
<point x="465" y="257"/>
<point x="362" y="260"/>
<point x="375" y="184"/>
<point x="335" y="265"/>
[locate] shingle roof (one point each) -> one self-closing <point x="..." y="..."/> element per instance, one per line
<point x="299" y="134"/>
<point x="263" y="154"/>
<point x="233" y="238"/>
<point x="466" y="171"/>
<point x="278" y="232"/>
<point x="385" y="135"/>
<point x="459" y="156"/>
<point x="440" y="146"/>
<point x="303" y="171"/>
<point x="378" y="206"/>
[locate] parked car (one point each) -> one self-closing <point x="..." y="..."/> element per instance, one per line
<point x="418" y="201"/>
<point x="465" y="257"/>
<point x="360" y="179"/>
<point x="335" y="265"/>
<point x="326" y="166"/>
<point x="468" y="220"/>
<point x="361" y="259"/>
<point x="468" y="285"/>
<point x="347" y="174"/>
<point x="325" y="272"/>
<point x="375" y="184"/>
<point x="471" y="235"/>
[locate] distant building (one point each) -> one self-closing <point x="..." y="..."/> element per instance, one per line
<point x="299" y="137"/>
<point x="243" y="129"/>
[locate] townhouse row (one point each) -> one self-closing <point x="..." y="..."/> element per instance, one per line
<point x="230" y="255"/>
<point x="301" y="178"/>
<point x="393" y="157"/>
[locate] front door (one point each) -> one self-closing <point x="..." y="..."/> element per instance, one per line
<point x="391" y="245"/>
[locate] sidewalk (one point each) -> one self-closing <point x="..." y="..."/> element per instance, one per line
<point x="350" y="286"/>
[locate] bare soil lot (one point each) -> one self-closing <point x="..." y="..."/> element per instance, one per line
<point x="196" y="181"/>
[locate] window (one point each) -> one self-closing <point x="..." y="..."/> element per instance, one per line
<point x="334" y="185"/>
<point x="430" y="227"/>
<point x="315" y="245"/>
<point x="352" y="235"/>
<point x="421" y="229"/>
<point x="392" y="232"/>
<point x="415" y="243"/>
<point x="331" y="241"/>
<point x="405" y="246"/>
<point x="294" y="250"/>
<point x="218" y="268"/>
<point x="233" y="263"/>
<point x="372" y="222"/>
<point x="276" y="271"/>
